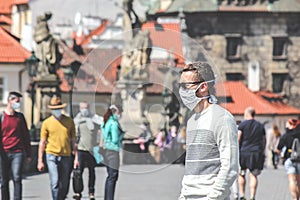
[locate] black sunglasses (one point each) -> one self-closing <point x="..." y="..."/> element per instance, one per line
<point x="183" y="85"/>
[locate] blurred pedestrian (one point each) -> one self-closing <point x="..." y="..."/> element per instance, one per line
<point x="292" y="168"/>
<point x="87" y="126"/>
<point x="112" y="136"/>
<point x="211" y="138"/>
<point x="252" y="142"/>
<point x="181" y="142"/>
<point x="144" y="138"/>
<point x="160" y="137"/>
<point x="159" y="142"/>
<point x="273" y="141"/>
<point x="14" y="146"/>
<point x="58" y="139"/>
<point x="170" y="145"/>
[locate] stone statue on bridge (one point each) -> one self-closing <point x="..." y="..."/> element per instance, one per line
<point x="136" y="57"/>
<point x="46" y="47"/>
<point x="137" y="51"/>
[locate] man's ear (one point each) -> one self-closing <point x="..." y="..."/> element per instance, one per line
<point x="203" y="88"/>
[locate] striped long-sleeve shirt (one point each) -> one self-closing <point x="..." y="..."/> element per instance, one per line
<point x="211" y="155"/>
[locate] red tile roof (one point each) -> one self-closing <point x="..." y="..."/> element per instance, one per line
<point x="10" y="50"/>
<point x="242" y="97"/>
<point x="166" y="36"/>
<point x="97" y="73"/>
<point x="97" y="31"/>
<point x="6" y="20"/>
<point x="6" y="5"/>
<point x="253" y="8"/>
<point x="18" y="2"/>
<point x="269" y="94"/>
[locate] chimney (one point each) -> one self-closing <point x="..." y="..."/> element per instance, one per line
<point x="253" y="76"/>
<point x="26" y="37"/>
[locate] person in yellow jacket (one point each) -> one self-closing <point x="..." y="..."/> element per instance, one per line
<point x="58" y="139"/>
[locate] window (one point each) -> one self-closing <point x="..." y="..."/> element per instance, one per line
<point x="280" y="48"/>
<point x="2" y="89"/>
<point x="224" y="100"/>
<point x="277" y="81"/>
<point x="233" y="48"/>
<point x="234" y="76"/>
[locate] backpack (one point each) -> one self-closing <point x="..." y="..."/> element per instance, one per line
<point x="295" y="154"/>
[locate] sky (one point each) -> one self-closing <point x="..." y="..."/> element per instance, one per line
<point x="64" y="10"/>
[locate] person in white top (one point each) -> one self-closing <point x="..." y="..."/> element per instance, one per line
<point x="273" y="141"/>
<point x="211" y="143"/>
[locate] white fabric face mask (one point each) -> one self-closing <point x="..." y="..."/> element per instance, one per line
<point x="84" y="112"/>
<point x="189" y="98"/>
<point x="57" y="113"/>
<point x="16" y="105"/>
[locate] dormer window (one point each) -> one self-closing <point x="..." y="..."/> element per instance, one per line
<point x="278" y="81"/>
<point x="233" y="48"/>
<point x="234" y="77"/>
<point x="280" y="44"/>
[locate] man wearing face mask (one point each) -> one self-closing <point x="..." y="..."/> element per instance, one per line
<point x="211" y="144"/>
<point x="87" y="125"/>
<point x="58" y="139"/>
<point x="14" y="146"/>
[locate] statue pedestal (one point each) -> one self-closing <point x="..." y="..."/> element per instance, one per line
<point x="46" y="87"/>
<point x="132" y="95"/>
<point x="47" y="81"/>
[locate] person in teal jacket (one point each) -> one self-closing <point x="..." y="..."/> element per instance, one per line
<point x="112" y="136"/>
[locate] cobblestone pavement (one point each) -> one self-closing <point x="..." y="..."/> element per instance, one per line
<point x="153" y="182"/>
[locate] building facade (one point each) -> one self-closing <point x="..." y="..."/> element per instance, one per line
<point x="256" y="42"/>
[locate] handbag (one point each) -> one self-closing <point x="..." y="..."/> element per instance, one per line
<point x="295" y="154"/>
<point x="77" y="181"/>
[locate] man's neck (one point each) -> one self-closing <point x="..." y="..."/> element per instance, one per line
<point x="249" y="118"/>
<point x="9" y="111"/>
<point x="202" y="105"/>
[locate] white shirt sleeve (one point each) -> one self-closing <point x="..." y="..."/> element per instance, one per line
<point x="226" y="138"/>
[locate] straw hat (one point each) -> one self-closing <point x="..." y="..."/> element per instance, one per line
<point x="55" y="103"/>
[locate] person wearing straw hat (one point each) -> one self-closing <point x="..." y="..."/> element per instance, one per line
<point x="58" y="140"/>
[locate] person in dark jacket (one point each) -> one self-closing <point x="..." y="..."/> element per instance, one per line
<point x="292" y="168"/>
<point x="15" y="146"/>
